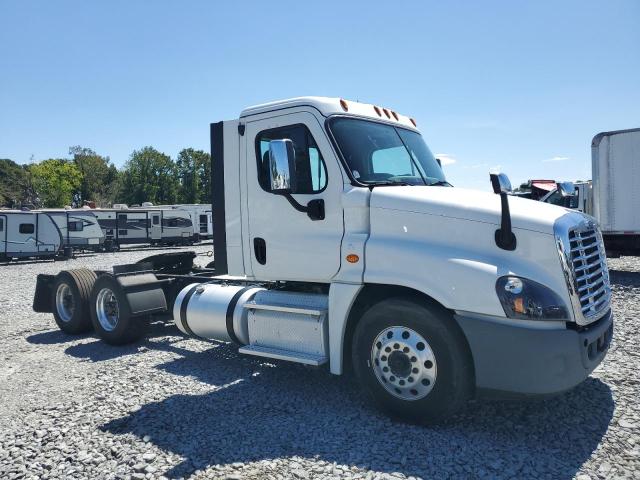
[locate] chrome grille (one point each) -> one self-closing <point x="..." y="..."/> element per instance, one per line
<point x="590" y="274"/>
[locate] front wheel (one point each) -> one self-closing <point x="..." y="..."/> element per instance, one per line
<point x="412" y="360"/>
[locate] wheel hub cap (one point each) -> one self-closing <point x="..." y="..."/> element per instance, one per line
<point x="64" y="302"/>
<point x="404" y="363"/>
<point x="107" y="309"/>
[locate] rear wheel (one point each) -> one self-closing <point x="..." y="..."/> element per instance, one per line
<point x="412" y="360"/>
<point x="111" y="315"/>
<point x="70" y="299"/>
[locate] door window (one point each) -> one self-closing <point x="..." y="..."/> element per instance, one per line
<point x="27" y="228"/>
<point x="156" y="220"/>
<point x="311" y="171"/>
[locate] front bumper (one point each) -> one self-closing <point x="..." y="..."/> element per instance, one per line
<point x="532" y="361"/>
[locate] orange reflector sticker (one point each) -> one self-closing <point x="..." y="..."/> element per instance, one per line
<point x="353" y="258"/>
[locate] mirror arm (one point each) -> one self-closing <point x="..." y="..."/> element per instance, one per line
<point x="314" y="209"/>
<point x="294" y="203"/>
<point x="505" y="239"/>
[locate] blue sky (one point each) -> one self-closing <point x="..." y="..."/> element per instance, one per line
<point x="519" y="87"/>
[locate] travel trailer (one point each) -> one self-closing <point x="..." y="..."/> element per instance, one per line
<point x="28" y="234"/>
<point x="200" y="213"/>
<point x="123" y="226"/>
<point x="339" y="242"/>
<point x="79" y="228"/>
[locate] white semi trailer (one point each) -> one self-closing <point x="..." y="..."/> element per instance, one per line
<point x="613" y="195"/>
<point x="339" y="242"/>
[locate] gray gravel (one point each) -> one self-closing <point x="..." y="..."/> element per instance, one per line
<point x="73" y="407"/>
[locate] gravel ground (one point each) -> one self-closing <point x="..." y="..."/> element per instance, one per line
<point x="73" y="407"/>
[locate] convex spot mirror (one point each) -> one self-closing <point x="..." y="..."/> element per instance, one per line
<point x="566" y="189"/>
<point x="282" y="166"/>
<point x="500" y="183"/>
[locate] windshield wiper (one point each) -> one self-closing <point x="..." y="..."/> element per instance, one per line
<point x="440" y="183"/>
<point x="390" y="182"/>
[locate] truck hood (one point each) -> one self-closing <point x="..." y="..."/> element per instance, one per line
<point x="472" y="205"/>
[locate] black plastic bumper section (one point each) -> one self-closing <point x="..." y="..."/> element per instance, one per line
<point x="534" y="361"/>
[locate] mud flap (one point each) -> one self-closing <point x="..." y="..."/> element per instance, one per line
<point x="42" y="295"/>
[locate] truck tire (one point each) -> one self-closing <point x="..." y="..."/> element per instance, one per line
<point x="110" y="313"/>
<point x="70" y="300"/>
<point x="412" y="360"/>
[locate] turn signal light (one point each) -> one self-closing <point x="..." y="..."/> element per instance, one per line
<point x="353" y="258"/>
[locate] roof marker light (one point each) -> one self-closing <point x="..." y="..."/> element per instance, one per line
<point x="414" y="122"/>
<point x="377" y="109"/>
<point x="386" y="112"/>
<point x="395" y="115"/>
<point x="343" y="104"/>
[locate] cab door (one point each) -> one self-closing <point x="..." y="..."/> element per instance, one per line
<point x="287" y="244"/>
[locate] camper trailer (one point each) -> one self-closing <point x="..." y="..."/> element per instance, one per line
<point x="79" y="228"/>
<point x="26" y="234"/>
<point x="200" y="214"/>
<point x="122" y="226"/>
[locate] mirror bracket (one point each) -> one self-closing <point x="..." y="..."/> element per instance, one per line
<point x="314" y="209"/>
<point x="504" y="237"/>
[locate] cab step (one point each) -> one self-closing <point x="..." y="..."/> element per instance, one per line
<point x="280" y="354"/>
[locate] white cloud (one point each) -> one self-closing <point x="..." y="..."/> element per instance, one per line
<point x="446" y="159"/>
<point x="557" y="158"/>
<point x="495" y="169"/>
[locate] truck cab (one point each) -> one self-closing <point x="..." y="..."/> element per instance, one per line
<point x="338" y="241"/>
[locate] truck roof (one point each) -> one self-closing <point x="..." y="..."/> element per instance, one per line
<point x="334" y="106"/>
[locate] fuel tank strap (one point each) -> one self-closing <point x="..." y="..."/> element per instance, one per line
<point x="183" y="309"/>
<point x="230" y="309"/>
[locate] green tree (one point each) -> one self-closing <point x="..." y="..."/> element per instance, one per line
<point x="194" y="175"/>
<point x="14" y="183"/>
<point x="149" y="176"/>
<point x="55" y="181"/>
<point x="99" y="177"/>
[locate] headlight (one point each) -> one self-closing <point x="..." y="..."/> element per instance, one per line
<point x="528" y="300"/>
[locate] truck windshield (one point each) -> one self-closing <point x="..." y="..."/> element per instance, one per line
<point x="381" y="154"/>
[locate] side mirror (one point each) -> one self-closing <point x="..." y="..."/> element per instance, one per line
<point x="500" y="183"/>
<point x="282" y="165"/>
<point x="504" y="237"/>
<point x="566" y="189"/>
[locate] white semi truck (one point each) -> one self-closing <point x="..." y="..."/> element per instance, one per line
<point x="339" y="242"/>
<point x="613" y="195"/>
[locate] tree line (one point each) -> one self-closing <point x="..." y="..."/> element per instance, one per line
<point x="147" y="176"/>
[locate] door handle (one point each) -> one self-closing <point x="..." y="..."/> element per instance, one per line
<point x="260" y="250"/>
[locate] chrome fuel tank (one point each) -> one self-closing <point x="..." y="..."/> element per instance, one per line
<point x="214" y="311"/>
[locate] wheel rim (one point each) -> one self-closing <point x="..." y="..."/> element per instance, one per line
<point x="65" y="305"/>
<point x="107" y="309"/>
<point x="404" y="363"/>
